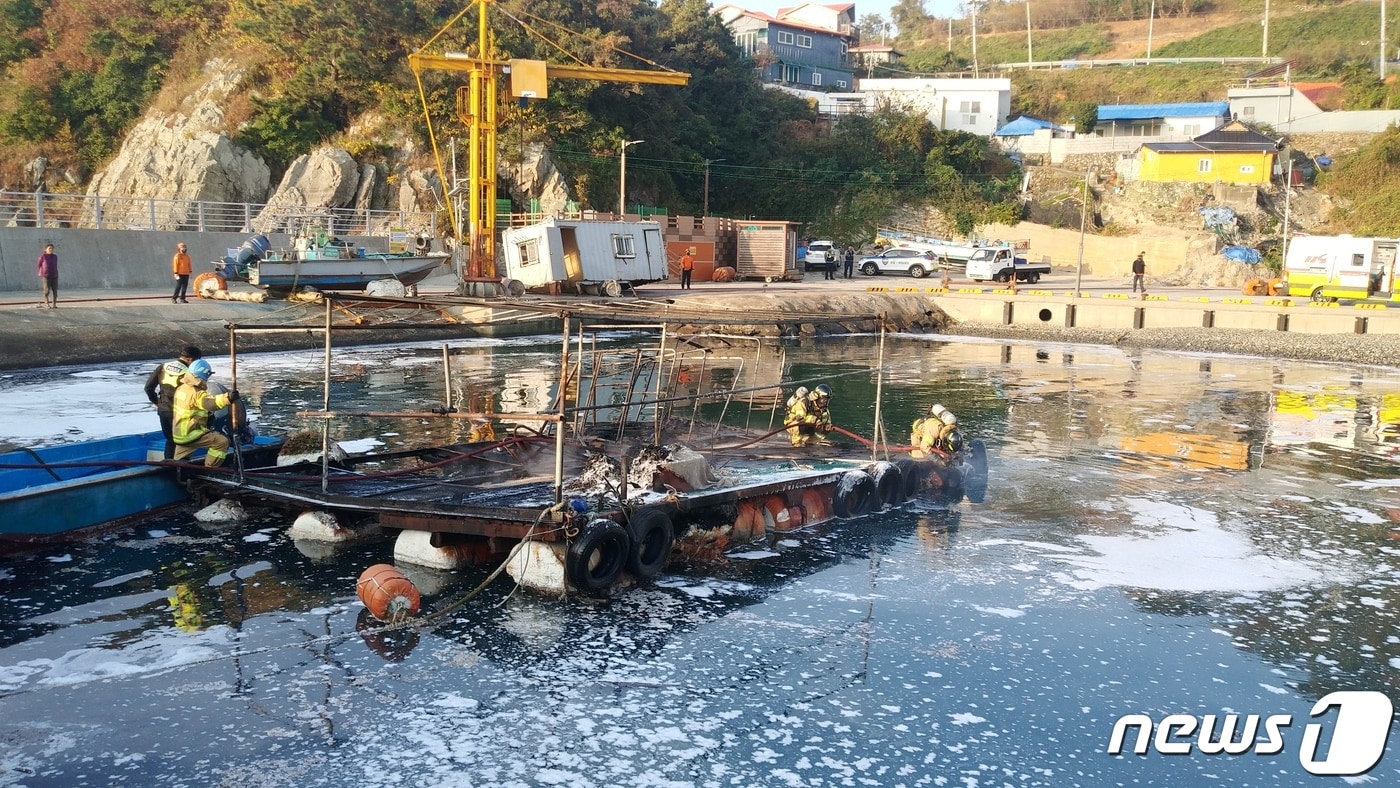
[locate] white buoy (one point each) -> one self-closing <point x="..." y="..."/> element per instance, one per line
<point x="224" y="510"/>
<point x="415" y="547"/>
<point x="319" y="527"/>
<point x="539" y="566"/>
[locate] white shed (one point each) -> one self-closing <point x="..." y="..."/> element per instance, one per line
<point x="582" y="256"/>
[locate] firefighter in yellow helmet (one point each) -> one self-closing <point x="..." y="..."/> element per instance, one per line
<point x="937" y="431"/>
<point x="193" y="405"/>
<point x="808" y="420"/>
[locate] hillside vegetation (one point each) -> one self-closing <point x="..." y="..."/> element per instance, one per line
<point x="78" y="75"/>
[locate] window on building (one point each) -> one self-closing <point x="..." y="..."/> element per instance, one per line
<point x="1203" y="165"/>
<point x="529" y="252"/>
<point x="804" y="41"/>
<point x="816" y="77"/>
<point x="970" y="110"/>
<point x="784" y="38"/>
<point x="845" y="47"/>
<point x="1246" y="168"/>
<point x="748" y="42"/>
<point x="1191" y="129"/>
<point x="1247" y="112"/>
<point x="789" y="73"/>
<point x="840" y="83"/>
<point x="622" y="246"/>
<point x="1358" y="261"/>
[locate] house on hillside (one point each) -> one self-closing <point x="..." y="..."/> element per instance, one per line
<point x="977" y="106"/>
<point x="797" y="49"/>
<point x="867" y="56"/>
<point x="1011" y="137"/>
<point x="1230" y="154"/>
<point x="1298" y="107"/>
<point x="1160" y="120"/>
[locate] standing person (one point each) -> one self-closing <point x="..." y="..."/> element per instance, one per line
<point x="193" y="404"/>
<point x="850" y="260"/>
<point x="831" y="263"/>
<point x="687" y="267"/>
<point x="1139" y="268"/>
<point x="48" y="271"/>
<point x="160" y="390"/>
<point x="181" y="266"/>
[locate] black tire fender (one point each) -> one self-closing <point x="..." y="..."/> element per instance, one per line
<point x="854" y="495"/>
<point x="909" y="471"/>
<point x="652" y="536"/>
<point x="975" y="479"/>
<point x="889" y="484"/>
<point x="597" y="555"/>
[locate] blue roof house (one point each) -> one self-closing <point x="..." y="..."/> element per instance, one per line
<point x="1185" y="120"/>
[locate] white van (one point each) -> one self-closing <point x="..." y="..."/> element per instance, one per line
<point x="1329" y="267"/>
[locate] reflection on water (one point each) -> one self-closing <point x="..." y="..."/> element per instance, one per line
<point x="1164" y="534"/>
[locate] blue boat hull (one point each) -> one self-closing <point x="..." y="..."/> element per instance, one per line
<point x="60" y="490"/>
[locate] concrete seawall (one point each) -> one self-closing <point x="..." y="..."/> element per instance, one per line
<point x="126" y="259"/>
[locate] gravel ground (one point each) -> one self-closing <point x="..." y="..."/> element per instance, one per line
<point x="1371" y="350"/>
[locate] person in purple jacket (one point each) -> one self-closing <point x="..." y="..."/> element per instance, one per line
<point x="48" y="271"/>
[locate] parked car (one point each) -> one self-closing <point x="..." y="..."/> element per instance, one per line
<point x="914" y="262"/>
<point x="816" y="255"/>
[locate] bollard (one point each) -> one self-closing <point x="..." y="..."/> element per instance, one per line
<point x="1282" y="324"/>
<point x="1208" y="318"/>
<point x="1360" y="327"/>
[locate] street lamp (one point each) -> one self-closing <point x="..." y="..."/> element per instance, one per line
<point x="1083" y="220"/>
<point x="706" y="211"/>
<point x="622" y="180"/>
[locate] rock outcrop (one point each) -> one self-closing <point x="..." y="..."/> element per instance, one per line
<point x="534" y="176"/>
<point x="327" y="178"/>
<point x="169" y="162"/>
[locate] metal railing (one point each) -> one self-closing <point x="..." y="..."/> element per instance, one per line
<point x="98" y="212"/>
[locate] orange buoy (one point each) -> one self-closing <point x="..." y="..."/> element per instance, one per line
<point x="215" y="282"/>
<point x="815" y="508"/>
<point x="794" y="517"/>
<point x="387" y="594"/>
<point x="748" y="521"/>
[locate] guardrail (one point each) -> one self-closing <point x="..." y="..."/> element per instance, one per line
<point x="99" y="212"/>
<point x="1138" y="61"/>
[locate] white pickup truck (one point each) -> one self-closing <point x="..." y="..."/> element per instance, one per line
<point x="1000" y="263"/>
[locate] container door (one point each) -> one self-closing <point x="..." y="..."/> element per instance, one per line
<point x="573" y="263"/>
<point x="655" y="250"/>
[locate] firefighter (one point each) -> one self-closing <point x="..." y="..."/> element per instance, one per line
<point x="160" y="390"/>
<point x="193" y="406"/>
<point x="936" y="431"/>
<point x="809" y="420"/>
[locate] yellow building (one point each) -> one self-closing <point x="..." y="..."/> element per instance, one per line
<point x="1233" y="154"/>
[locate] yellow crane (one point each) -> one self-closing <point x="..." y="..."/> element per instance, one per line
<point x="476" y="108"/>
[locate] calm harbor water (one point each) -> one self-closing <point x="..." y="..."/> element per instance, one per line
<point x="1164" y="534"/>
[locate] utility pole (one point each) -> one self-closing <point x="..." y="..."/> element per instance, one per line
<point x="950" y="34"/>
<point x="1287" y="200"/>
<point x="706" y="211"/>
<point x="1382" y="40"/>
<point x="1266" y="26"/>
<point x="622" y="180"/>
<point x="973" y="6"/>
<point x="1151" y="15"/>
<point x="1083" y="221"/>
<point x="1030" y="56"/>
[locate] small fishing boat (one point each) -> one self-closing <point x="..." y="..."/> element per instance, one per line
<point x="57" y="491"/>
<point x="320" y="263"/>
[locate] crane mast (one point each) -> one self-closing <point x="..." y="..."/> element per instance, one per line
<point x="476" y="108"/>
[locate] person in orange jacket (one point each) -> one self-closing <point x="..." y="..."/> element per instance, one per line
<point x="181" y="266"/>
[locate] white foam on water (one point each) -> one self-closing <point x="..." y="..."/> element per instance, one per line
<point x="1182" y="548"/>
<point x="360" y="446"/>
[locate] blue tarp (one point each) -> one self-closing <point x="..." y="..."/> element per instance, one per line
<point x="1023" y="126"/>
<point x="1241" y="254"/>
<point x="1217" y="216"/>
<point x="1194" y="109"/>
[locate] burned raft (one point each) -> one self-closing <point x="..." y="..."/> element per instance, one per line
<point x="586" y="497"/>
